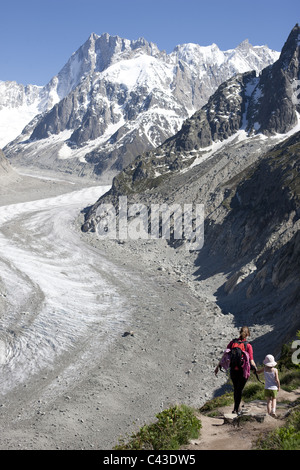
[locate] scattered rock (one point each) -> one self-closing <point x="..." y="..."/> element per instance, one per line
<point x="128" y="333"/>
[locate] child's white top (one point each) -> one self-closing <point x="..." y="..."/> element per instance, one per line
<point x="270" y="381"/>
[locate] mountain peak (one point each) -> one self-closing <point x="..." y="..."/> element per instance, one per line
<point x="290" y="50"/>
<point x="244" y="44"/>
<point x="93" y="37"/>
<point x="294" y="36"/>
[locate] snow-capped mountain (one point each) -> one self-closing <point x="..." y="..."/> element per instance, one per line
<point x="116" y="98"/>
<point x="18" y="105"/>
<point x="245" y="107"/>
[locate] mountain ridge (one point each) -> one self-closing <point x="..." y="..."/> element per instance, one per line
<point x="237" y="106"/>
<point x="109" y="118"/>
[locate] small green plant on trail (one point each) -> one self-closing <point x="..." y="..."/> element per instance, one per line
<point x="174" y="428"/>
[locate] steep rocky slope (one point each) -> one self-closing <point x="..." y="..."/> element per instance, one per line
<point x="7" y="173"/>
<point x="251" y="231"/>
<point x="9" y="178"/>
<point x="4" y="164"/>
<point x="254" y="235"/>
<point x="240" y="158"/>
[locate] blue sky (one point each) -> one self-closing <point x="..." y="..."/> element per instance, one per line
<point x="37" y="37"/>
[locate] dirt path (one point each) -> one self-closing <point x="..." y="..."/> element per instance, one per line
<point x="218" y="435"/>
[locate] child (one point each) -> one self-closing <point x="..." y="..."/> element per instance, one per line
<point x="272" y="383"/>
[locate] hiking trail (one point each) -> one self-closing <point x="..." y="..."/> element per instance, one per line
<point x="226" y="433"/>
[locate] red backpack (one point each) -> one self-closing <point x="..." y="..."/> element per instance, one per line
<point x="239" y="357"/>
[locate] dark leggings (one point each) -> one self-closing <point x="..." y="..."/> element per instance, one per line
<point x="239" y="382"/>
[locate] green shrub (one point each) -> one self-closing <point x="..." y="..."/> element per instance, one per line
<point x="290" y="380"/>
<point x="174" y="427"/>
<point x="294" y="418"/>
<point x="217" y="402"/>
<point x="253" y="391"/>
<point x="284" y="438"/>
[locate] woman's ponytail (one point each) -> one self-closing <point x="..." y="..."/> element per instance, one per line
<point x="244" y="332"/>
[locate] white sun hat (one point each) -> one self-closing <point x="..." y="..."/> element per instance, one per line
<point x="269" y="361"/>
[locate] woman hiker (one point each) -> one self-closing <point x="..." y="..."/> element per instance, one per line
<point x="236" y="373"/>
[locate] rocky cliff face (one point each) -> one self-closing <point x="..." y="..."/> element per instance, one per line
<point x="116" y="98"/>
<point x="255" y="233"/>
<point x="274" y="105"/>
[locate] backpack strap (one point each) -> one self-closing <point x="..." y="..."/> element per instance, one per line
<point x="245" y="343"/>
